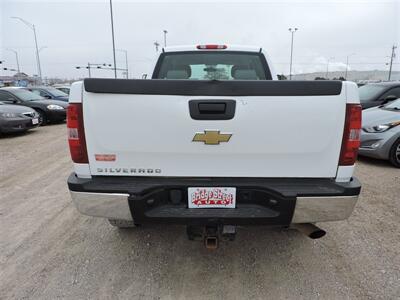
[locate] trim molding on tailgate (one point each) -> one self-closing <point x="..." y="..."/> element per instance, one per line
<point x="213" y="87"/>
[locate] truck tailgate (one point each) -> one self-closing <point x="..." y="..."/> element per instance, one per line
<point x="289" y="133"/>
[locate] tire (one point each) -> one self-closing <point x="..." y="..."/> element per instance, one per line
<point x="122" y="223"/>
<point x="42" y="117"/>
<point x="394" y="154"/>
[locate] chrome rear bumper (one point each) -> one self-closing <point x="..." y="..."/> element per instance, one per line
<point x="307" y="209"/>
<point x="110" y="206"/>
<point x="322" y="209"/>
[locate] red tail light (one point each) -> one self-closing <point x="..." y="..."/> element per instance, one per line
<point x="203" y="47"/>
<point x="351" y="135"/>
<point x="76" y="134"/>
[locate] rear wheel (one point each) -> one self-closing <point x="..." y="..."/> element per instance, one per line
<point x="122" y="223"/>
<point x="394" y="155"/>
<point x="42" y="117"/>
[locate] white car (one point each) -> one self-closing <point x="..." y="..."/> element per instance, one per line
<point x="214" y="141"/>
<point x="63" y="88"/>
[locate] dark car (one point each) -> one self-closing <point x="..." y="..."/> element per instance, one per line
<point x="15" y="118"/>
<point x="376" y="94"/>
<point x="49" y="110"/>
<point x="49" y="92"/>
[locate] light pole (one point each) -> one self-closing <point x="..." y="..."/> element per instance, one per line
<point x="347" y="64"/>
<point x="32" y="26"/>
<point x="126" y="61"/>
<point x="327" y="67"/>
<point x="16" y="58"/>
<point x="391" y="61"/>
<point x="292" y="31"/>
<point x="40" y="50"/>
<point x="165" y="37"/>
<point x="113" y="39"/>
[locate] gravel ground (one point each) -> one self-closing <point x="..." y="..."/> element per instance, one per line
<point x="48" y="250"/>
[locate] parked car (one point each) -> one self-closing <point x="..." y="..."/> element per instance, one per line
<point x="49" y="110"/>
<point x="376" y="94"/>
<point x="63" y="88"/>
<point x="15" y="118"/>
<point x="49" y="92"/>
<point x="245" y="150"/>
<point x="380" y="135"/>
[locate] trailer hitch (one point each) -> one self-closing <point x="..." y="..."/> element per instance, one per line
<point x="211" y="235"/>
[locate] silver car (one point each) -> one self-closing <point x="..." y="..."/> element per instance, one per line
<point x="380" y="134"/>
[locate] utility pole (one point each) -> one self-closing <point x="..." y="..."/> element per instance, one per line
<point x="113" y="39"/>
<point x="32" y="26"/>
<point x="292" y="31"/>
<point x="391" y="61"/>
<point x="157" y="45"/>
<point x="165" y="37"/>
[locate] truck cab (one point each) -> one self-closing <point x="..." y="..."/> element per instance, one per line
<point x="214" y="62"/>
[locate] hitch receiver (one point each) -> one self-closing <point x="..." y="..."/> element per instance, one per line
<point x="211" y="235"/>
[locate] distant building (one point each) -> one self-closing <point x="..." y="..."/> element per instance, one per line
<point x="18" y="79"/>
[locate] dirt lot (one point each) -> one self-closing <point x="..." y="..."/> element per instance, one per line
<point x="48" y="250"/>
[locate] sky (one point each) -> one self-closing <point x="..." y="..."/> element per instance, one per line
<point x="73" y="33"/>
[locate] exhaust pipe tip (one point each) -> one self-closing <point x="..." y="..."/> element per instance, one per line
<point x="310" y="230"/>
<point x="317" y="234"/>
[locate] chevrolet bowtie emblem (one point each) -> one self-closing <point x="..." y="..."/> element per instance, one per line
<point x="211" y="137"/>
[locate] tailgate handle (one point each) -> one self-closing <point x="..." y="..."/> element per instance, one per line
<point x="212" y="109"/>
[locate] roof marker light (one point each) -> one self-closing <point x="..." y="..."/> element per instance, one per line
<point x="211" y="47"/>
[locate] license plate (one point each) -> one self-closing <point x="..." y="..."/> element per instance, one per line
<point x="212" y="197"/>
<point x="35" y="121"/>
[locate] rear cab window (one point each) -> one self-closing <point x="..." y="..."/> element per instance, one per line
<point x="212" y="65"/>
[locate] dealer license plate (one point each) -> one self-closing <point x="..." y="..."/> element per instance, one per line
<point x="212" y="197"/>
<point x="35" y="121"/>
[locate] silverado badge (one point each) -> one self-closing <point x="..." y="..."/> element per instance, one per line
<point x="211" y="137"/>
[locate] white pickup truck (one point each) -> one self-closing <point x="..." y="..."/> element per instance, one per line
<point x="212" y="141"/>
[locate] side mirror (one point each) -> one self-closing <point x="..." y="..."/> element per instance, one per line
<point x="391" y="98"/>
<point x="13" y="100"/>
<point x="47" y="96"/>
<point x="144" y="76"/>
